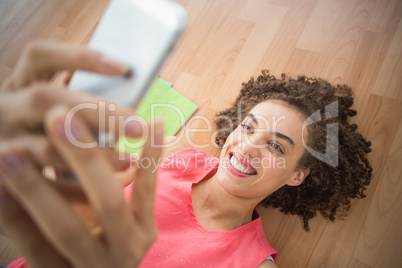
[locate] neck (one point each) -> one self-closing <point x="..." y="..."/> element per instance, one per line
<point x="217" y="209"/>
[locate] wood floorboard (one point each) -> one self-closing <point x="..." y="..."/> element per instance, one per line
<point x="357" y="42"/>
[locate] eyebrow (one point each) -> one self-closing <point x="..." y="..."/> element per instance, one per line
<point x="253" y="118"/>
<point x="277" y="134"/>
<point x="282" y="136"/>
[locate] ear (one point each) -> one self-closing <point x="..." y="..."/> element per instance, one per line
<point x="299" y="178"/>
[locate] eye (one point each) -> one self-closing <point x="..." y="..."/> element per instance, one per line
<point x="276" y="146"/>
<point x="247" y="127"/>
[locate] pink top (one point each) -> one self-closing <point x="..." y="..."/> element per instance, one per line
<point x="182" y="241"/>
<point x="18" y="263"/>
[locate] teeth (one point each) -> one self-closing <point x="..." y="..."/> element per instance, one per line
<point x="239" y="167"/>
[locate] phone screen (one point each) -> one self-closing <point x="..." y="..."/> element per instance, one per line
<point x="139" y="33"/>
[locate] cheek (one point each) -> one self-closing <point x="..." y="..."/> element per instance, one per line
<point x="276" y="172"/>
<point x="273" y="163"/>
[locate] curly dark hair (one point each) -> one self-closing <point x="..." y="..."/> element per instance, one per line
<point x="328" y="188"/>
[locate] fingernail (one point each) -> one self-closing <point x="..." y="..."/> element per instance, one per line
<point x="133" y="127"/>
<point x="11" y="164"/>
<point x="114" y="65"/>
<point x="129" y="73"/>
<point x="72" y="132"/>
<point x="65" y="127"/>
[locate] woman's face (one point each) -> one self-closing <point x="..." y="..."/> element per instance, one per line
<point x="261" y="154"/>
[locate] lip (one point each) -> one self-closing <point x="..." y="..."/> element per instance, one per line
<point x="243" y="162"/>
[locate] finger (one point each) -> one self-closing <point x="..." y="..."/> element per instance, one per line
<point x="143" y="194"/>
<point x="127" y="176"/>
<point x="96" y="177"/>
<point x="24" y="234"/>
<point x="67" y="78"/>
<point x="119" y="161"/>
<point x="101" y="116"/>
<point x="39" y="148"/>
<point x="59" y="225"/>
<point x="44" y="153"/>
<point x="41" y="60"/>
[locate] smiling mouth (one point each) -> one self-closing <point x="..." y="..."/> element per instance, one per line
<point x="241" y="166"/>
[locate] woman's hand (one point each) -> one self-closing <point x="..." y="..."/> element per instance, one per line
<point x="28" y="94"/>
<point x="35" y="212"/>
<point x="43" y="226"/>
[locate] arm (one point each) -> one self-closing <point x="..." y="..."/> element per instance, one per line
<point x="268" y="264"/>
<point x="173" y="144"/>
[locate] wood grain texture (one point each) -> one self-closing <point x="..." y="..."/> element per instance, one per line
<point x="357" y="42"/>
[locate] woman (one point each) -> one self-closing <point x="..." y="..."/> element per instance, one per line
<point x="205" y="208"/>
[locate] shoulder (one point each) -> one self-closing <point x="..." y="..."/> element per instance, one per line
<point x="267" y="264"/>
<point x="175" y="149"/>
<point x="173" y="144"/>
<point x="188" y="164"/>
<point x="191" y="158"/>
<point x="262" y="239"/>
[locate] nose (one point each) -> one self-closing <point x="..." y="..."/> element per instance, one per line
<point x="252" y="145"/>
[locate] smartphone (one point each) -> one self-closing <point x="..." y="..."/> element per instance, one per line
<point x="140" y="33"/>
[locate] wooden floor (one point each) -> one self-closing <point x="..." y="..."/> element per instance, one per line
<point x="357" y="42"/>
